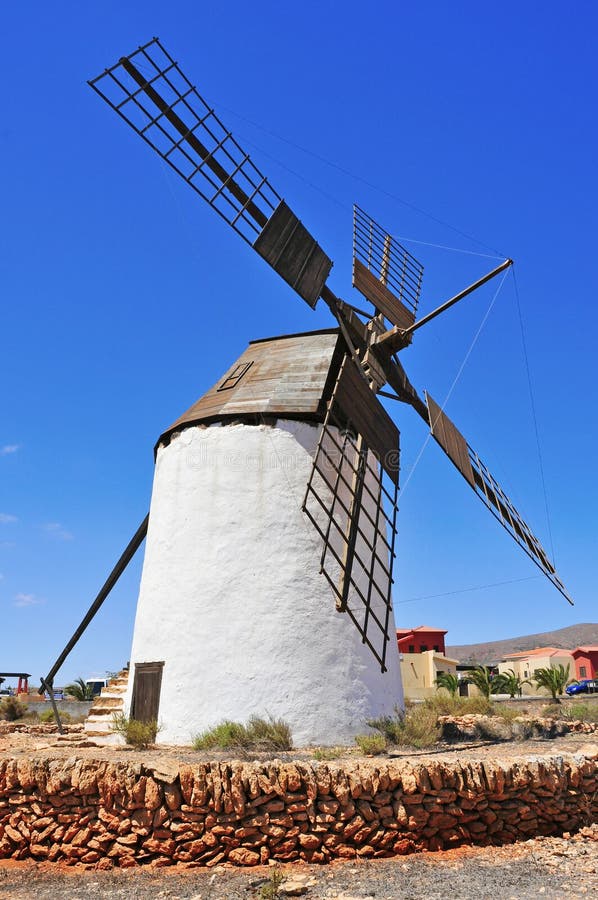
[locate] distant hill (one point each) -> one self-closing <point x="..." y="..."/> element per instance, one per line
<point x="493" y="651"/>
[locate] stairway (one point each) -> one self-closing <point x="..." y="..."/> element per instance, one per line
<point x="98" y="725"/>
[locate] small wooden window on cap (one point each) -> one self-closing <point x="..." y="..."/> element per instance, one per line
<point x="232" y="380"/>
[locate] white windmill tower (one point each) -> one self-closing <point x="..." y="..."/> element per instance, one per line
<point x="266" y="585"/>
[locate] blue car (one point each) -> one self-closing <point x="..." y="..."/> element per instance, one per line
<point x="585" y="686"/>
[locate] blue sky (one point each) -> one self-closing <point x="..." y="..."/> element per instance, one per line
<point x="124" y="297"/>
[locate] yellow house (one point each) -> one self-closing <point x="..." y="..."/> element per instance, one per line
<point x="525" y="664"/>
<point x="419" y="671"/>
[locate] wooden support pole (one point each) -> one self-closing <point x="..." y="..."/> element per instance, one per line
<point x="115" y="574"/>
<point x="396" y="337"/>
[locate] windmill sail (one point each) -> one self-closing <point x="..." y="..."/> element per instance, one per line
<point x="151" y="93"/>
<point x="351" y="499"/>
<point x="384" y="272"/>
<point x="489" y="491"/>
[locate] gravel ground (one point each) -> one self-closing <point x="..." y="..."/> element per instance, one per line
<point x="545" y="867"/>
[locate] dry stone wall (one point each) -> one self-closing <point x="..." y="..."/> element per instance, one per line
<point x="105" y="814"/>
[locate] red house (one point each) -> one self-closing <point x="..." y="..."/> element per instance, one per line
<point x="420" y="639"/>
<point x="586" y="662"/>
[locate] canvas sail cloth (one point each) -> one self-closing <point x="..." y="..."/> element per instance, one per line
<point x="237" y="612"/>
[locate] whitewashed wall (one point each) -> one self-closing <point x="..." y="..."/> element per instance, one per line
<point x="231" y="598"/>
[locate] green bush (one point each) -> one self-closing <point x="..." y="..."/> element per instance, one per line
<point x="137" y="734"/>
<point x="12" y="709"/>
<point x="371" y="744"/>
<point x="418" y="725"/>
<point x="258" y="735"/>
<point x="48" y="716"/>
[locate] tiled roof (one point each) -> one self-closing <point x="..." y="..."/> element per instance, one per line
<point x="421" y="628"/>
<point x="539" y="651"/>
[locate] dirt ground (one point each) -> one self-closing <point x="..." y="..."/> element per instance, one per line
<point x="561" y="867"/>
<point x="19" y="744"/>
<point x="547" y="867"/>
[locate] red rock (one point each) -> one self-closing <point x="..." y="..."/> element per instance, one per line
<point x="127" y="840"/>
<point x="153" y="795"/>
<point x="164" y="848"/>
<point x="309" y="841"/>
<point x="241" y="856"/>
<point x="15" y="836"/>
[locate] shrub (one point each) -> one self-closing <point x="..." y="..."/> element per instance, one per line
<point x="582" y="712"/>
<point x="48" y="716"/>
<point x="390" y="727"/>
<point x="270" y="890"/>
<point x="258" y="735"/>
<point x="12" y="709"/>
<point x="420" y="728"/>
<point x="138" y="734"/>
<point x="371" y="744"/>
<point x="322" y="754"/>
<point x="417" y="728"/>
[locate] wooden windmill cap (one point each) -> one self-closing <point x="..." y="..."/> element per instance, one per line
<point x="289" y="377"/>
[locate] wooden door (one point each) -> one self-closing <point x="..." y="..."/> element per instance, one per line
<point x="146" y="691"/>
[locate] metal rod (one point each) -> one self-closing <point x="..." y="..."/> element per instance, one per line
<point x="456" y="298"/>
<point x="115" y="574"/>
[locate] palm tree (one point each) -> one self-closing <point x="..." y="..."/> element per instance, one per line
<point x="79" y="690"/>
<point x="449" y="682"/>
<point x="480" y="677"/>
<point x="553" y="679"/>
<point x="509" y="683"/>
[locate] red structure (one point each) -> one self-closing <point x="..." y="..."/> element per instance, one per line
<point x="420" y="639"/>
<point x="23" y="686"/>
<point x="586" y="662"/>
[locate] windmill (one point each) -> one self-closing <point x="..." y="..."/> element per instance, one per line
<point x="271" y="540"/>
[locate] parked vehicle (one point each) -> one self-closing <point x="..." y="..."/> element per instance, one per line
<point x="96" y="685"/>
<point x="585" y="686"/>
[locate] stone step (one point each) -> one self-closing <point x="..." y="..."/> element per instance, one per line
<point x="98" y="724"/>
<point x="106" y="703"/>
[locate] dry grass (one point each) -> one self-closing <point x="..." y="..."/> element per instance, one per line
<point x="258" y="735"/>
